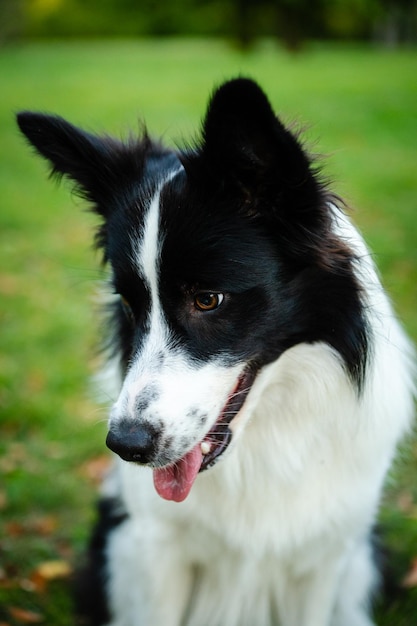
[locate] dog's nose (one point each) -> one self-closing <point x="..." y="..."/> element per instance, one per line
<point x="133" y="441"/>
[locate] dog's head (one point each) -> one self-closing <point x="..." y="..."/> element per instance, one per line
<point x="222" y="256"/>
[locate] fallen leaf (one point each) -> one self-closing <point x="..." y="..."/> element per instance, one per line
<point x="9" y="284"/>
<point x="35" y="584"/>
<point x="14" y="529"/>
<point x="51" y="570"/>
<point x="35" y="382"/>
<point x="410" y="579"/>
<point x="3" y="504"/>
<point x="47" y="572"/>
<point x="8" y="575"/>
<point x="96" y="469"/>
<point x="405" y="502"/>
<point x="45" y="525"/>
<point x="24" y="616"/>
<point x="7" y="583"/>
<point x="27" y="585"/>
<point x="16" y="455"/>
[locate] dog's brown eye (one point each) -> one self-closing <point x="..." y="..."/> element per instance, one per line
<point x="207" y="301"/>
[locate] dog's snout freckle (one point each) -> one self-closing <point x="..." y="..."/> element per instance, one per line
<point x="145" y="400"/>
<point x="196" y="413"/>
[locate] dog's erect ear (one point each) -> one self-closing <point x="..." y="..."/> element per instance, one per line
<point x="240" y="129"/>
<point x="97" y="165"/>
<point x="247" y="149"/>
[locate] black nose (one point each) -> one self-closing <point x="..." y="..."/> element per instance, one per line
<point x="133" y="441"/>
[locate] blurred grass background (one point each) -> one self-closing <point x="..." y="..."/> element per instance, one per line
<point x="359" y="104"/>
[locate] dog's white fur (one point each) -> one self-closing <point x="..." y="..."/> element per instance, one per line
<point x="278" y="531"/>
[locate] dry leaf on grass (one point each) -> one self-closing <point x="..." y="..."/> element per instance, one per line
<point x="410" y="579"/>
<point x="3" y="503"/>
<point x="96" y="469"/>
<point x="45" y="525"/>
<point x="24" y="616"/>
<point x="51" y="570"/>
<point x="47" y="572"/>
<point x="14" y="529"/>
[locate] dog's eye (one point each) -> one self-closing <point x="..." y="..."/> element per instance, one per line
<point x="127" y="309"/>
<point x="207" y="301"/>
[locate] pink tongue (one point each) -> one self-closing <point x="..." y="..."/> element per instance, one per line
<point x="175" y="481"/>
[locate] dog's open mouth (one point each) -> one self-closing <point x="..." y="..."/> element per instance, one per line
<point x="174" y="482"/>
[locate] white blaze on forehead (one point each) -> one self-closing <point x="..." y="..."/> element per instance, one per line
<point x="147" y="260"/>
<point x="149" y="252"/>
<point x="150" y="245"/>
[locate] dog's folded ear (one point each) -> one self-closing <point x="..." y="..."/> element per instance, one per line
<point x="98" y="166"/>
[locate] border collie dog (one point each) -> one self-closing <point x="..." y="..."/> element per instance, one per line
<point x="263" y="379"/>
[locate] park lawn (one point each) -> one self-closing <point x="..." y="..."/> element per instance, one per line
<point x="359" y="105"/>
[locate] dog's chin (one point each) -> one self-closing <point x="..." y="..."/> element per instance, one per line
<point x="174" y="482"/>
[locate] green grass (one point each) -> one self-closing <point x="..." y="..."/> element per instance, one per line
<point x="360" y="106"/>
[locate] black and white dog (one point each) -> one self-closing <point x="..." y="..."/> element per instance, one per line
<point x="264" y="380"/>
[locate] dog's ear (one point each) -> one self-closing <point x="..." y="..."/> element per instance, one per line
<point x="98" y="166"/>
<point x="248" y="151"/>
<point x="241" y="132"/>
